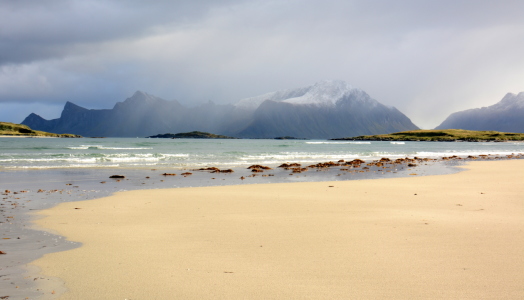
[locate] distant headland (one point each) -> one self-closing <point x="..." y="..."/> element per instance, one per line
<point x="18" y="130"/>
<point x="448" y="135"/>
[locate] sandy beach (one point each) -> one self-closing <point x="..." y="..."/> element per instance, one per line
<point x="458" y="236"/>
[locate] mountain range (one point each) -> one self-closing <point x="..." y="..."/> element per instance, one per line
<point x="327" y="109"/>
<point x="507" y="116"/>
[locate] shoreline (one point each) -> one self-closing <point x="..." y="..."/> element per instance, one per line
<point x="236" y="255"/>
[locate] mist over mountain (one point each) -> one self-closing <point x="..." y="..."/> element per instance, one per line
<point x="138" y="116"/>
<point x="507" y="116"/>
<point x="327" y="109"/>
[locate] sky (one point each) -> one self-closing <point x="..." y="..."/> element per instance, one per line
<point x="427" y="58"/>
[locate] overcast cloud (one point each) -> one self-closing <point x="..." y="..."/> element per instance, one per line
<point x="427" y="58"/>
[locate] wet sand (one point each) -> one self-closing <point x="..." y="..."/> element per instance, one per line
<point x="457" y="236"/>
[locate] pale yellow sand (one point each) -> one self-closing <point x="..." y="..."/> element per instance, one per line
<point x="455" y="236"/>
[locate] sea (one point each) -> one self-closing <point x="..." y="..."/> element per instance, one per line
<point x="48" y="163"/>
<point x="139" y="153"/>
<point x="38" y="173"/>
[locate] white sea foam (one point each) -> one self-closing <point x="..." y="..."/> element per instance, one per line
<point x="100" y="147"/>
<point x="339" y="143"/>
<point x="118" y="148"/>
<point x="132" y="159"/>
<point x="463" y="153"/>
<point x="105" y="160"/>
<point x="175" y="155"/>
<point x="46" y="160"/>
<point x="30" y="153"/>
<point x="64" y="166"/>
<point x="296" y="156"/>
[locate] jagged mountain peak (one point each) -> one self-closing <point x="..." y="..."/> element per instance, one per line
<point x="33" y="116"/>
<point x="510" y="101"/>
<point x="322" y="93"/>
<point x="139" y="98"/>
<point x="70" y="106"/>
<point x="142" y="96"/>
<point x="139" y="93"/>
<point x="326" y="92"/>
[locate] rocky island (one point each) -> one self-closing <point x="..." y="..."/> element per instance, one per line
<point x="191" y="135"/>
<point x="289" y="138"/>
<point x="19" y="130"/>
<point x="448" y="135"/>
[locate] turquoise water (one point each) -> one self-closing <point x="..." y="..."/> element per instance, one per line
<point x="136" y="153"/>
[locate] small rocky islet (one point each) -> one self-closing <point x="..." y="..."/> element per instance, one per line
<point x="191" y="135"/>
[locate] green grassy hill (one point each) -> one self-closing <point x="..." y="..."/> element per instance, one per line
<point x="448" y="135"/>
<point x="11" y="129"/>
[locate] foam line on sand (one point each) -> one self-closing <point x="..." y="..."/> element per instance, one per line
<point x="458" y="236"/>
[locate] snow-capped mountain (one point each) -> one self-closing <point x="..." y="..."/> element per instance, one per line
<point x="327" y="109"/>
<point x="323" y="93"/>
<point x="507" y="115"/>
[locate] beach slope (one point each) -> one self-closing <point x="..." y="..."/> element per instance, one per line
<point x="458" y="236"/>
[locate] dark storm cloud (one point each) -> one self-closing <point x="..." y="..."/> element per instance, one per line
<point x="35" y="30"/>
<point x="427" y="58"/>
